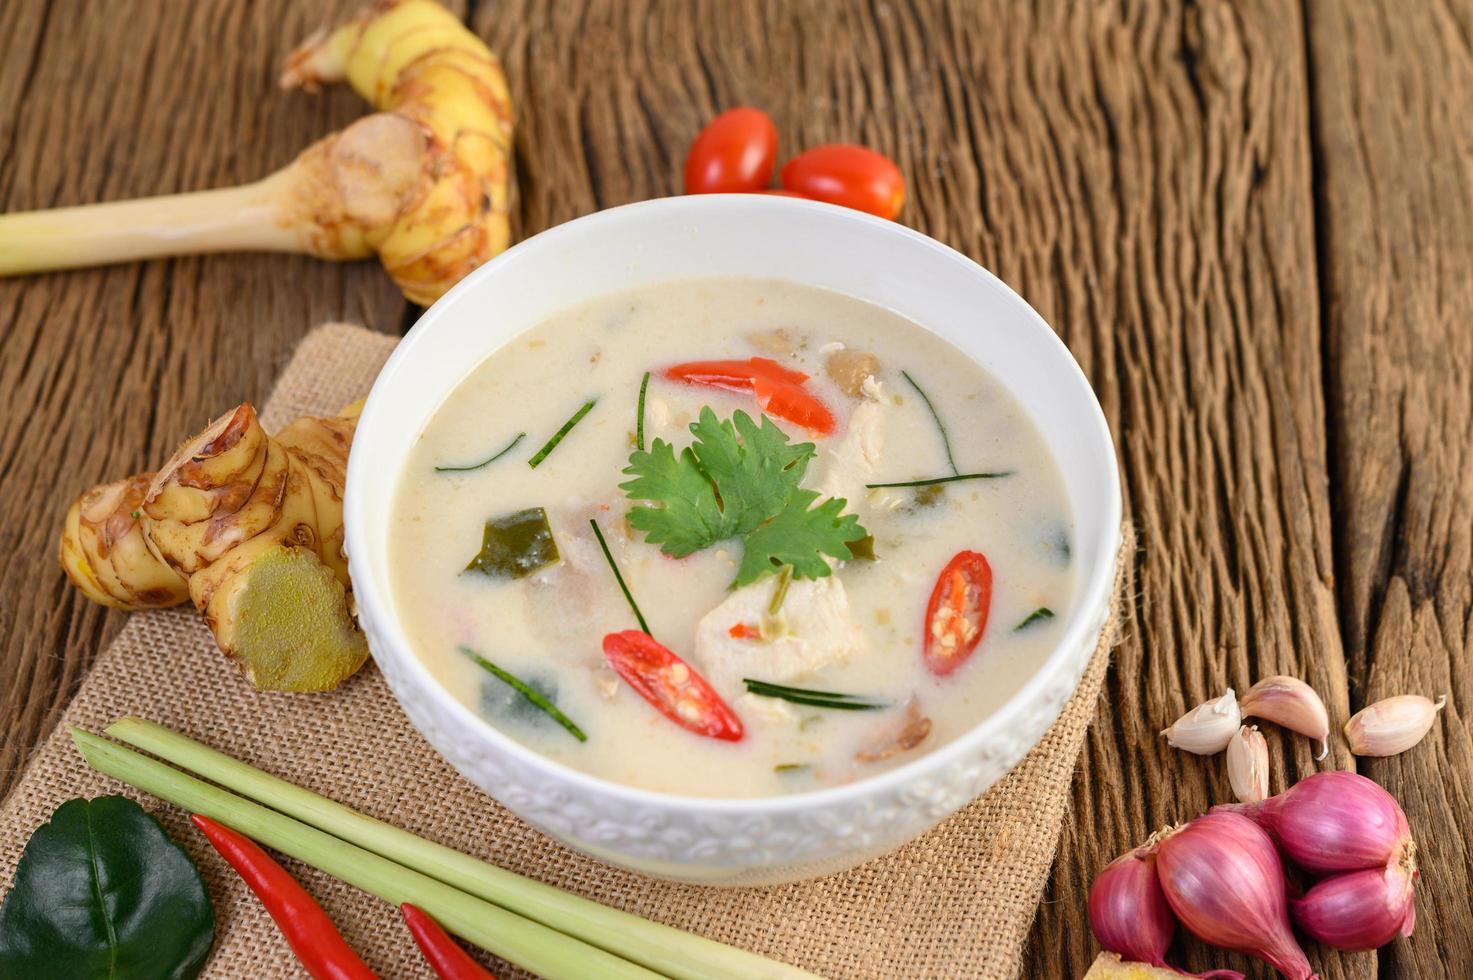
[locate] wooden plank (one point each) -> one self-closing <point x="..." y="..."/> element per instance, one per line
<point x="102" y="372"/>
<point x="1393" y="91"/>
<point x="1174" y="171"/>
<point x="1142" y="175"/>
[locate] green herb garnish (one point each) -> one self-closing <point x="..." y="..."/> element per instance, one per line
<point x="557" y="436"/>
<point x="863" y="549"/>
<point x="629" y="596"/>
<point x="515" y="545"/>
<point x="739" y="479"/>
<point x="936" y="417"/>
<point x="526" y="691"/>
<point x="816" y="699"/>
<point x="485" y="462"/>
<point x="932" y="481"/>
<point x="780" y="591"/>
<point x="1039" y="615"/>
<point x="639" y="419"/>
<point x="791" y="768"/>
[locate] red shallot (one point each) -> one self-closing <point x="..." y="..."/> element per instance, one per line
<point x="1359" y="910"/>
<point x="1129" y="914"/>
<point x="1332" y="821"/>
<point x="1223" y="879"/>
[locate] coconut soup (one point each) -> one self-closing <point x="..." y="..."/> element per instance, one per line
<point x="845" y="542"/>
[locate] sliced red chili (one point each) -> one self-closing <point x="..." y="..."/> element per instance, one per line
<point x="733" y="375"/>
<point x="671" y="685"/>
<point x="312" y="936"/>
<point x="444" y="955"/>
<point x="957" y="612"/>
<point x="795" y="404"/>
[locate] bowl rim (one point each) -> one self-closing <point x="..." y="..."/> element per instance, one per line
<point x="1094" y="593"/>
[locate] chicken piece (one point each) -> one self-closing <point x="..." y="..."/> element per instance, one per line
<point x="813" y="629"/>
<point x="854" y="458"/>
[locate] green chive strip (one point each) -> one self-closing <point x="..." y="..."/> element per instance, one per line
<point x="1039" y="615"/>
<point x="941" y="426"/>
<point x="485" y="462"/>
<point x="941" y="479"/>
<point x="816" y="699"/>
<point x="608" y="555"/>
<point x="791" y="767"/>
<point x="557" y="437"/>
<point x="639" y="422"/>
<point x="781" y="591"/>
<point x="527" y="692"/>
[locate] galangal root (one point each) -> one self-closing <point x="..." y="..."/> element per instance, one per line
<point x="422" y="184"/>
<point x="249" y="527"/>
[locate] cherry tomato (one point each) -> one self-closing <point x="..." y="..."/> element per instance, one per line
<point x="779" y="192"/>
<point x="854" y="176"/>
<point x="735" y="152"/>
<point x="957" y="612"/>
<point x="795" y="404"/>
<point x="733" y="375"/>
<point x="669" y="683"/>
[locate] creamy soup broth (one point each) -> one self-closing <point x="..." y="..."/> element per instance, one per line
<point x="547" y="628"/>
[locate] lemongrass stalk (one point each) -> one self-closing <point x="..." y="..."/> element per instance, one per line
<point x="528" y="944"/>
<point x="248" y="218"/>
<point x="670" y="951"/>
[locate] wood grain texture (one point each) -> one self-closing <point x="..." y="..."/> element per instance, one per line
<point x="1250" y="221"/>
<point x="1393" y="85"/>
<point x="103" y="372"/>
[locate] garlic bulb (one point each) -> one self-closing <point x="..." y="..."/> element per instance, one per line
<point x="1207" y="728"/>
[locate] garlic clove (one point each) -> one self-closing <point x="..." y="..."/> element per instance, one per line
<point x="1290" y="702"/>
<point x="1247" y="764"/>
<point x="1392" y="725"/>
<point x="1207" y="728"/>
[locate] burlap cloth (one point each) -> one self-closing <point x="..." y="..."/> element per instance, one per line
<point x="956" y="903"/>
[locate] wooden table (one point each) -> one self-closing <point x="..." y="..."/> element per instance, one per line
<point x="1252" y="223"/>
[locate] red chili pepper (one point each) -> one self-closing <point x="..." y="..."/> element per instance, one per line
<point x="671" y="685"/>
<point x="779" y="389"/>
<point x="744" y="631"/>
<point x="444" y="955"/>
<point x="795" y="404"/>
<point x="733" y="375"/>
<point x="310" y="933"/>
<point x="957" y="612"/>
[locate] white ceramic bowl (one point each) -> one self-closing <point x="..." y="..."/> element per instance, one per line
<point x="736" y="841"/>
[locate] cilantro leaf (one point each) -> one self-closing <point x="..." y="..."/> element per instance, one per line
<point x="740" y="478"/>
<point x="799" y="536"/>
<point x="690" y="517"/>
<point x="753" y="477"/>
<point x="736" y="475"/>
